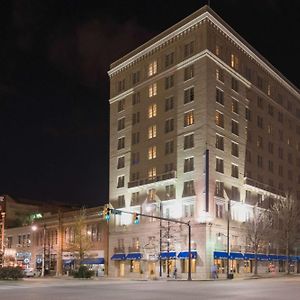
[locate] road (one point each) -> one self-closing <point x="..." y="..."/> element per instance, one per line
<point x="287" y="288"/>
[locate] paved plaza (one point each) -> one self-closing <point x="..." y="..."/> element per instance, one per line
<point x="287" y="288"/>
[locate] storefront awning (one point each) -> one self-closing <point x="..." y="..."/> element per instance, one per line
<point x="236" y="255"/>
<point x="134" y="256"/>
<point x="273" y="257"/>
<point x="93" y="261"/>
<point x="220" y="255"/>
<point x="68" y="261"/>
<point x="118" y="256"/>
<point x="168" y="255"/>
<point x="185" y="254"/>
<point x="262" y="257"/>
<point x="249" y="256"/>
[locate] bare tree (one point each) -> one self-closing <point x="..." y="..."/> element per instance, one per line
<point x="80" y="242"/>
<point x="257" y="230"/>
<point x="286" y="214"/>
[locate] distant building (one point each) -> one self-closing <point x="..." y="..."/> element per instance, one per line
<point x="198" y="120"/>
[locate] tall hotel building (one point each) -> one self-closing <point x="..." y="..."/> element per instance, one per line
<point x="198" y="120"/>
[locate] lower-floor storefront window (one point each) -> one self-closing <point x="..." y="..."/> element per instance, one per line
<point x="185" y="265"/>
<point x="135" y="266"/>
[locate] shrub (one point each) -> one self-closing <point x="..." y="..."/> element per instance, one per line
<point x="11" y="273"/>
<point x="83" y="272"/>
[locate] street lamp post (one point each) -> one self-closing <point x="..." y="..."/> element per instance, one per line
<point x="2" y="232"/>
<point x="34" y="228"/>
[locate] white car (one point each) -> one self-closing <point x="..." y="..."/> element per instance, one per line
<point x="30" y="272"/>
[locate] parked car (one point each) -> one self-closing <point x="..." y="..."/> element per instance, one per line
<point x="30" y="272"/>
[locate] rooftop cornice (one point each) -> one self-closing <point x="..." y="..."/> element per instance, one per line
<point x="225" y="29"/>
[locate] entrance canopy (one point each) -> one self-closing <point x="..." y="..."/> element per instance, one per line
<point x="220" y="255"/>
<point x="236" y="255"/>
<point x="168" y="255"/>
<point x="134" y="256"/>
<point x="185" y="254"/>
<point x="93" y="261"/>
<point x="118" y="256"/>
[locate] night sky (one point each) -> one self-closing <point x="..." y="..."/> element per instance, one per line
<point x="54" y="87"/>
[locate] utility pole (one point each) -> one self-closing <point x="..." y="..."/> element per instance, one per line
<point x="44" y="250"/>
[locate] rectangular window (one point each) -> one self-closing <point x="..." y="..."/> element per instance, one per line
<point x="270" y="147"/>
<point x="234" y="127"/>
<point x="219" y="210"/>
<point x="152" y="111"/>
<point x="235" y="106"/>
<point x="169" y="59"/>
<point x="188" y="95"/>
<point x="152" y="132"/>
<point x="234" y="62"/>
<point x="170" y="192"/>
<point x="189" y="72"/>
<point x="121" y="124"/>
<point x="219" y="142"/>
<point x="121" y="85"/>
<point x="135" y="176"/>
<point x="234" y="171"/>
<point x="152" y="152"/>
<point x="280" y="117"/>
<point x="219" y="165"/>
<point x="135" y="198"/>
<point x="219" y="118"/>
<point x="136" y="98"/>
<point x="248" y="73"/>
<point x="152" y="90"/>
<point x="259" y="161"/>
<point x="121" y="181"/>
<point x="121" y="201"/>
<point x="121" y="105"/>
<point x="220" y="74"/>
<point x="235" y="193"/>
<point x="169" y="103"/>
<point x="169" y="82"/>
<point x="121" y="143"/>
<point x="270" y="110"/>
<point x="189" y="49"/>
<point x="234" y="149"/>
<point x="270" y="166"/>
<point x="188" y="164"/>
<point x="188" y="188"/>
<point x="259" y="142"/>
<point x="259" y="82"/>
<point x="121" y="162"/>
<point x="152" y="173"/>
<point x="135" y="118"/>
<point x="188" y="141"/>
<point x="169" y="147"/>
<point x="234" y="84"/>
<point x="135" y="139"/>
<point x="169" y="125"/>
<point x="169" y="167"/>
<point x="219" y="192"/>
<point x="152" y="68"/>
<point x="135" y="158"/>
<point x="220" y="96"/>
<point x="248" y="114"/>
<point x="259" y="122"/>
<point x="189" y="118"/>
<point x="136" y="77"/>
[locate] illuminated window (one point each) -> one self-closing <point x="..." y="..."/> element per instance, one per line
<point x="188" y="164"/>
<point x="121" y="162"/>
<point x="219" y="142"/>
<point x="188" y="141"/>
<point x="234" y="62"/>
<point x="152" y="152"/>
<point x="152" y="173"/>
<point x="152" y="110"/>
<point x="220" y="74"/>
<point x="219" y="118"/>
<point x="189" y="118"/>
<point x="220" y="96"/>
<point x="219" y="165"/>
<point x="153" y="90"/>
<point x="188" y="72"/>
<point x="188" y="95"/>
<point x="152" y="68"/>
<point x="218" y="50"/>
<point x="152" y="132"/>
<point x="269" y="90"/>
<point x="151" y="194"/>
<point x="121" y="124"/>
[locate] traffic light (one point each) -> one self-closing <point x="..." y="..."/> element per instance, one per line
<point x="106" y="214"/>
<point x="136" y="218"/>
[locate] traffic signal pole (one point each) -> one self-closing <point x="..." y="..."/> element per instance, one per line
<point x="119" y="212"/>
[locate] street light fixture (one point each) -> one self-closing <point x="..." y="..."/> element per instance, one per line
<point x="35" y="228"/>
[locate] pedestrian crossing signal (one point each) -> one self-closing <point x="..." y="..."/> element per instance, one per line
<point x="136" y="218"/>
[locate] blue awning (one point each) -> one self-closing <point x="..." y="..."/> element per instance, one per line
<point x="93" y="261"/>
<point x="118" y="256"/>
<point x="249" y="256"/>
<point x="185" y="254"/>
<point x="68" y="261"/>
<point x="134" y="256"/>
<point x="281" y="257"/>
<point x="293" y="258"/>
<point x="236" y="255"/>
<point x="273" y="257"/>
<point x="168" y="255"/>
<point x="220" y="255"/>
<point x="262" y="257"/>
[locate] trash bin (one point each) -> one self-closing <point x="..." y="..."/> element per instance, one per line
<point x="230" y="276"/>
